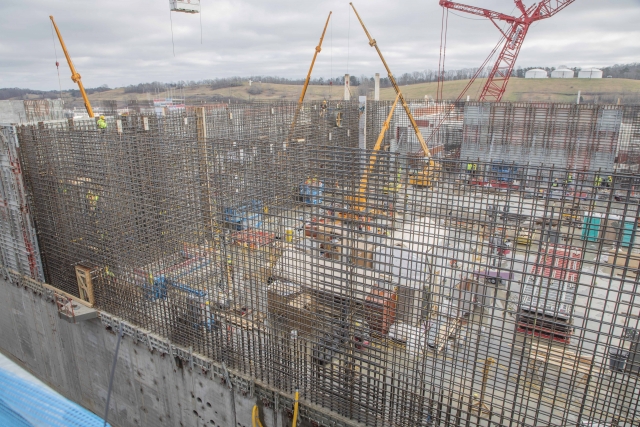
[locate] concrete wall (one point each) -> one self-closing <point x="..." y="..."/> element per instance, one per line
<point x="12" y="112"/>
<point x="523" y="134"/>
<point x="150" y="389"/>
<point x="31" y="110"/>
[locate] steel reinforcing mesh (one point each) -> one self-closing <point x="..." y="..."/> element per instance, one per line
<point x="459" y="291"/>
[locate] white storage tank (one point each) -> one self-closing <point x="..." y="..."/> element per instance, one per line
<point x="562" y="73"/>
<point x="590" y="73"/>
<point x="535" y="73"/>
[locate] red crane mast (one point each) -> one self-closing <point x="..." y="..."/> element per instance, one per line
<point x="512" y="40"/>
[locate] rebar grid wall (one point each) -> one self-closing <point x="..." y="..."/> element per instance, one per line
<point x="432" y="293"/>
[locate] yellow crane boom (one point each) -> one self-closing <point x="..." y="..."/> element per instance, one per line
<point x="373" y="43"/>
<point x="361" y="201"/>
<point x="306" y="82"/>
<point x="74" y="74"/>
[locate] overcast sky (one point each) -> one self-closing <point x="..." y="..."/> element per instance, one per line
<point x="122" y="42"/>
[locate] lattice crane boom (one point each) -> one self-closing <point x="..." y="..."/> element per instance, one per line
<point x="513" y="38"/>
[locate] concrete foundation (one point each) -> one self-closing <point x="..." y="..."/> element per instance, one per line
<point x="150" y="388"/>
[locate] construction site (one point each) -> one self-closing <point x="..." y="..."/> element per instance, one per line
<point x="330" y="263"/>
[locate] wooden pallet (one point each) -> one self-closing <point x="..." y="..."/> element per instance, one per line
<point x="564" y="359"/>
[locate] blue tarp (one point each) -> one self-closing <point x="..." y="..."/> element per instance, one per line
<point x="27" y="404"/>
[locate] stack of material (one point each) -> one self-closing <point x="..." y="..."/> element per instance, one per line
<point x="549" y="294"/>
<point x="291" y="306"/>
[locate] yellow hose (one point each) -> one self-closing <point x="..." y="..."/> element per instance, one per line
<point x="295" y="410"/>
<point x="255" y="417"/>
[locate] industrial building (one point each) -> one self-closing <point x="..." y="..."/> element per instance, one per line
<point x="245" y="254"/>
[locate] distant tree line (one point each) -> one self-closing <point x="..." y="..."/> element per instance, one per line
<point x="363" y="83"/>
<point x="623" y="71"/>
<point x="17" y="93"/>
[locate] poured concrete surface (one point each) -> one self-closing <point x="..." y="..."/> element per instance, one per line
<point x="148" y="390"/>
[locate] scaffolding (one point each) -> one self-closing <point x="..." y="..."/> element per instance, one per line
<point x="483" y="297"/>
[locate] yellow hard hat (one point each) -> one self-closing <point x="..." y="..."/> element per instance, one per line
<point x="102" y="117"/>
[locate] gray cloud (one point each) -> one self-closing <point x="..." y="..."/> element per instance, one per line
<point x="124" y="42"/>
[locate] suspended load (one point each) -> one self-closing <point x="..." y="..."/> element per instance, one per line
<point x="186" y="6"/>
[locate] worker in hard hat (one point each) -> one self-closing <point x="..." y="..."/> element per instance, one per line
<point x="102" y="123"/>
<point x="609" y="183"/>
<point x="569" y="180"/>
<point x="92" y="198"/>
<point x="555" y="183"/>
<point x="598" y="181"/>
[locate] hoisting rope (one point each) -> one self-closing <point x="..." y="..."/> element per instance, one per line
<point x="348" y="42"/>
<point x="172" y="44"/>
<point x="55" y="51"/>
<point x="443" y="47"/>
<point x="331" y="65"/>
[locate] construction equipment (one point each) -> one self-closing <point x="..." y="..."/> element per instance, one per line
<point x="74" y="74"/>
<point x="511" y="41"/>
<point x="524" y="236"/>
<point x="425" y="175"/>
<point x="184" y="6"/>
<point x="374" y="44"/>
<point x="360" y="201"/>
<point x="306" y="82"/>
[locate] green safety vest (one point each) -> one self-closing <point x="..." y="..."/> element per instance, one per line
<point x="102" y="124"/>
<point x="469" y="166"/>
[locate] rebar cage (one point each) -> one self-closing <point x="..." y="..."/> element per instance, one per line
<point x="455" y="290"/>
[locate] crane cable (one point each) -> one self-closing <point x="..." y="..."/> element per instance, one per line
<point x="443" y="47"/>
<point x="348" y="53"/>
<point x="172" y="43"/>
<point x="57" y="63"/>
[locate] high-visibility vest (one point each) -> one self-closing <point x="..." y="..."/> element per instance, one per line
<point x="555" y="184"/>
<point x="102" y="124"/>
<point x="475" y="166"/>
<point x="469" y="166"/>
